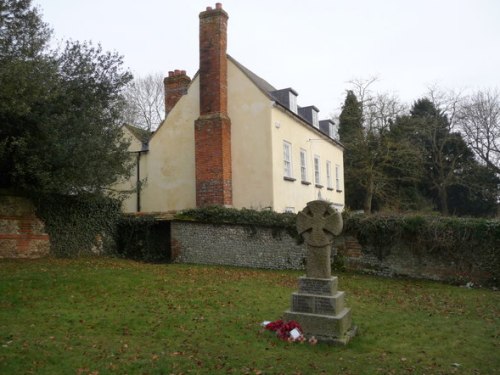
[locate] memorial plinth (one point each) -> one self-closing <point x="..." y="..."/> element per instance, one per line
<point x="318" y="306"/>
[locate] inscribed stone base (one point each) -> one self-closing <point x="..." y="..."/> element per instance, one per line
<point x="325" y="287"/>
<point x="318" y="304"/>
<point x="320" y="310"/>
<point x="331" y="329"/>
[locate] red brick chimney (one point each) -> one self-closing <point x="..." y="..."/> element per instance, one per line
<point x="213" y="127"/>
<point x="176" y="85"/>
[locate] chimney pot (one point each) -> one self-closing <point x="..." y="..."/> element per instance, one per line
<point x="176" y="85"/>
<point x="209" y="8"/>
<point x="218" y="6"/>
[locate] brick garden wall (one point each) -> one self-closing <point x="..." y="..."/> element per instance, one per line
<point x="238" y="245"/>
<point x="22" y="234"/>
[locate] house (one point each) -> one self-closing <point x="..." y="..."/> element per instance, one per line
<point x="230" y="138"/>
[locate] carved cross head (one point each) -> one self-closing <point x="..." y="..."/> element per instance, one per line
<point x="318" y="222"/>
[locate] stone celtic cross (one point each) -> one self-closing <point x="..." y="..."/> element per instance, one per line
<point x="317" y="223"/>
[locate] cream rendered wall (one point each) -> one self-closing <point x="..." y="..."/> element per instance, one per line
<point x="129" y="204"/>
<point x="170" y="162"/>
<point x="258" y="128"/>
<point x="295" y="194"/>
<point x="250" y="113"/>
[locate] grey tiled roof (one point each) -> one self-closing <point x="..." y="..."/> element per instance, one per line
<point x="261" y="83"/>
<point x="141" y="134"/>
<point x="272" y="93"/>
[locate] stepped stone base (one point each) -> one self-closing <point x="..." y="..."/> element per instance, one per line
<point x="319" y="308"/>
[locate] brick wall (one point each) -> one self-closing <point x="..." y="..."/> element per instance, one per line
<point x="22" y="234"/>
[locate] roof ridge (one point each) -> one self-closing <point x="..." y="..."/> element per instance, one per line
<point x="141" y="134"/>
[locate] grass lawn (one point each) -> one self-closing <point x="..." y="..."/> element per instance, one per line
<point x="110" y="316"/>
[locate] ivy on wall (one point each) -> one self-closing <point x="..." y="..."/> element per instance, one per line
<point x="435" y="233"/>
<point x="79" y="225"/>
<point x="253" y="218"/>
<point x="467" y="240"/>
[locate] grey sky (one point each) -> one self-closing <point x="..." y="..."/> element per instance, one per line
<point x="314" y="46"/>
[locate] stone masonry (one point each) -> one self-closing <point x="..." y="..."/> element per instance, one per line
<point x="235" y="245"/>
<point x="22" y="234"/>
<point x="261" y="247"/>
<point x="318" y="306"/>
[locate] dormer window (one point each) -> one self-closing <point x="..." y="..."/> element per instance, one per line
<point x="293" y="102"/>
<point x="334" y="131"/>
<point x="310" y="114"/>
<point x="315" y="121"/>
<point x="287" y="98"/>
<point x="329" y="128"/>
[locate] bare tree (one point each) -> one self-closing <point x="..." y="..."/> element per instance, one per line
<point x="145" y="107"/>
<point x="448" y="102"/>
<point x="379" y="109"/>
<point x="361" y="88"/>
<point x="479" y="121"/>
<point x="373" y="160"/>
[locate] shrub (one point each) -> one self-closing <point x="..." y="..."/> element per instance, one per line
<point x="472" y="241"/>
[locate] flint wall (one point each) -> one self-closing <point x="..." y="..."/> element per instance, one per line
<point x="244" y="246"/>
<point x="235" y="245"/>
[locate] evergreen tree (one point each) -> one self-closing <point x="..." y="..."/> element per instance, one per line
<point x="351" y="119"/>
<point x="351" y="135"/>
<point x="374" y="161"/>
<point x="450" y="175"/>
<point x="59" y="112"/>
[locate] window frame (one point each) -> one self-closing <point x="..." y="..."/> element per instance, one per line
<point x="337" y="177"/>
<point x="317" y="171"/>
<point x="293" y="102"/>
<point x="287" y="161"/>
<point x="329" y="181"/>
<point x="315" y="119"/>
<point x="303" y="166"/>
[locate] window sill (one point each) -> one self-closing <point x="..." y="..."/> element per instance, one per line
<point x="289" y="178"/>
<point x="319" y="186"/>
<point x="339" y="191"/>
<point x="331" y="189"/>
<point x="305" y="182"/>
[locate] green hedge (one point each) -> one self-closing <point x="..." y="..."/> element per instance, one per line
<point x="435" y="233"/>
<point x="253" y="218"/>
<point x="467" y="240"/>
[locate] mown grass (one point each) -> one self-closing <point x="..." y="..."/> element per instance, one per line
<point x="109" y="316"/>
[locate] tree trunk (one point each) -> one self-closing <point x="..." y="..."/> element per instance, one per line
<point x="367" y="204"/>
<point x="443" y="200"/>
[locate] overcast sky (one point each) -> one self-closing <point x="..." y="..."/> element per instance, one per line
<point x="313" y="46"/>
